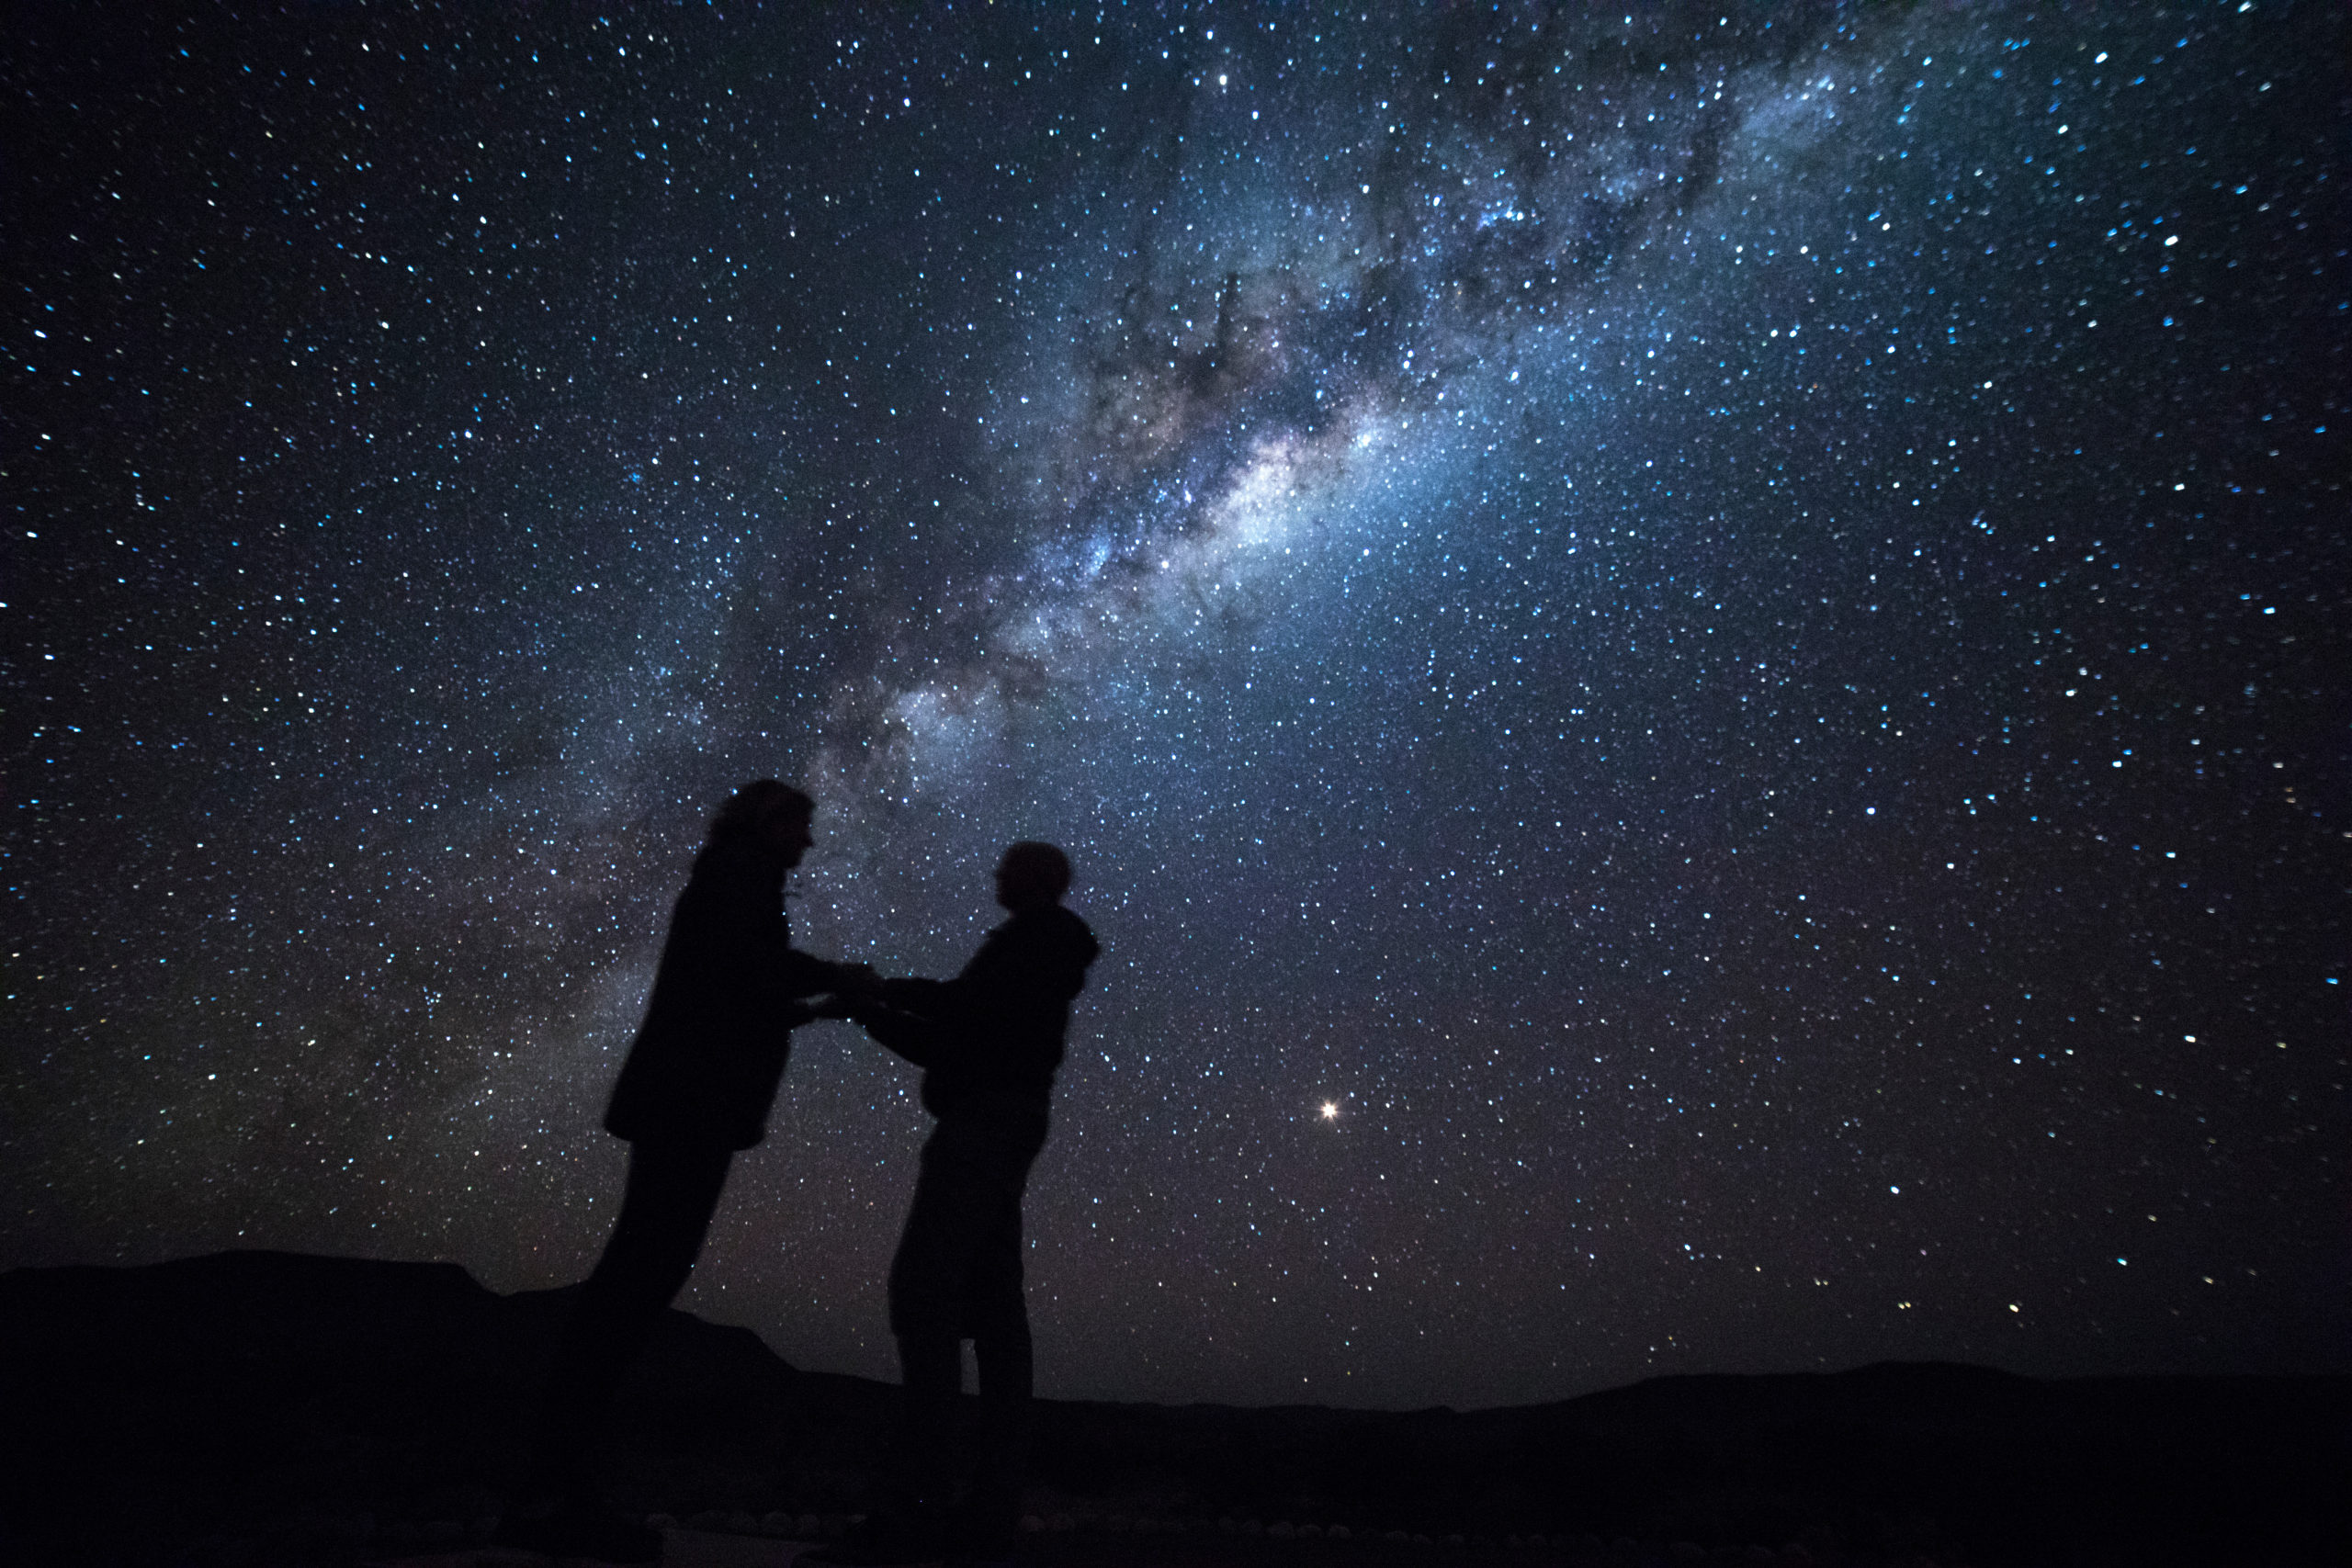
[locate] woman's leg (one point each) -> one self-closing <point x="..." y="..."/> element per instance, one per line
<point x="665" y="1213"/>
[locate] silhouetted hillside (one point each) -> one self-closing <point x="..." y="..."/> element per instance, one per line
<point x="311" y="1408"/>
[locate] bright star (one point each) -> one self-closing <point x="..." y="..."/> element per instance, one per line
<point x="1331" y="1111"/>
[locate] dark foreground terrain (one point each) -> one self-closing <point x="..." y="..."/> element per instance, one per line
<point x="264" y="1407"/>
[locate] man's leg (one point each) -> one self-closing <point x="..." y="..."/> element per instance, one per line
<point x="665" y="1213"/>
<point x="909" y="1524"/>
<point x="930" y="1370"/>
<point x="997" y="1319"/>
<point x="1005" y="1139"/>
<point x="925" y="1274"/>
<point x="971" y="1164"/>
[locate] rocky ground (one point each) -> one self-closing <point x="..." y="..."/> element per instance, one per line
<point x="263" y="1409"/>
<point x="1178" y="1548"/>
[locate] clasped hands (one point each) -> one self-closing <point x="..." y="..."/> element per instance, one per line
<point x="856" y="987"/>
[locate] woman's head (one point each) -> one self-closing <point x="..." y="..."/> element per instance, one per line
<point x="776" y="813"/>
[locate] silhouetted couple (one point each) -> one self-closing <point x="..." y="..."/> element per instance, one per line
<point x="698" y="1086"/>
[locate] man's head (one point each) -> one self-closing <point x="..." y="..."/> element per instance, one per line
<point x="775" y="814"/>
<point x="1032" y="876"/>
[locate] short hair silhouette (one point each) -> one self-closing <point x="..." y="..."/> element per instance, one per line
<point x="747" y="807"/>
<point x="988" y="1042"/>
<point x="1031" y="868"/>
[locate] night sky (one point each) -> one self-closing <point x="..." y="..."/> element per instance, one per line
<point x="1694" y="662"/>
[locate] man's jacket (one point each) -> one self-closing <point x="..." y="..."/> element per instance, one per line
<point x="995" y="1030"/>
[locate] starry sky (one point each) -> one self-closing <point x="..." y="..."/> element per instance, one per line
<point x="1692" y="659"/>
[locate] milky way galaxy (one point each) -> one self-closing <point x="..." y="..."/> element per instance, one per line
<point x="1684" y="654"/>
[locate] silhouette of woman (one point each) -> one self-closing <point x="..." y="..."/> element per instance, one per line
<point x="697" y="1086"/>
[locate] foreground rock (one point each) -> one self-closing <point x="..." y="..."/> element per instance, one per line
<point x="265" y="1407"/>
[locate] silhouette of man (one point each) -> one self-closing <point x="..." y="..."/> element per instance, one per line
<point x="988" y="1042"/>
<point x="697" y="1086"/>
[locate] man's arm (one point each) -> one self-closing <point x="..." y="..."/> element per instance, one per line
<point x="916" y="1038"/>
<point x="931" y="999"/>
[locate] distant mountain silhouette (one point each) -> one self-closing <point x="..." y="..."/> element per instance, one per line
<point x="294" y="1408"/>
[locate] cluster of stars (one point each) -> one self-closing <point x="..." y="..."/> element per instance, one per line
<point x="1686" y="660"/>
